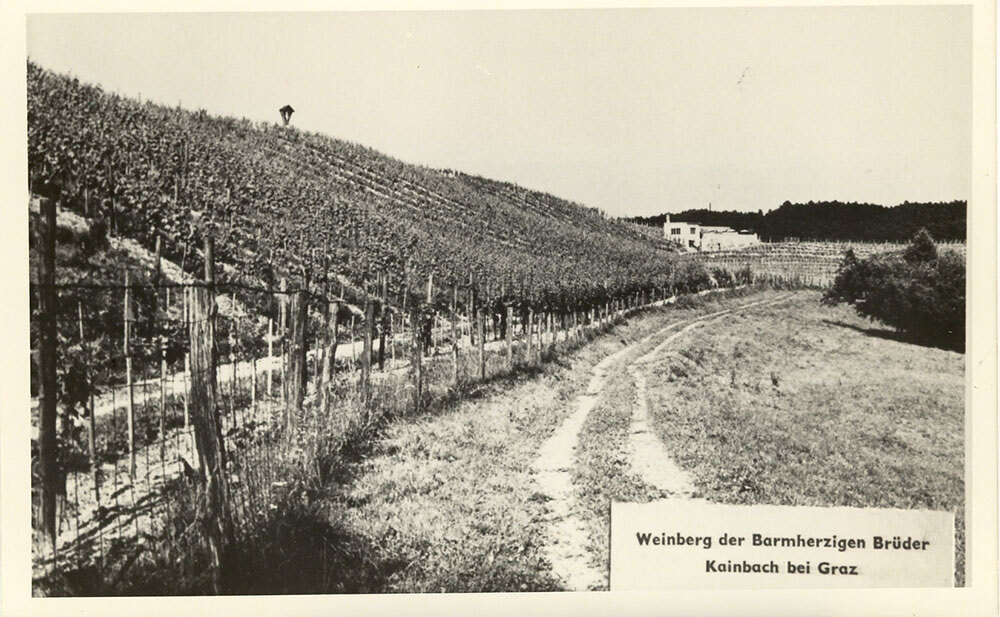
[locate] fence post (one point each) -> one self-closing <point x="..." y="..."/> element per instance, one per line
<point x="416" y="333"/>
<point x="481" y="342"/>
<point x="159" y="275"/>
<point x="430" y="340"/>
<point x="528" y="327"/>
<point x="383" y="315"/>
<point x="91" y="420"/>
<point x="509" y="331"/>
<point x="187" y="384"/>
<point x="354" y="356"/>
<point x="471" y="303"/>
<point x="366" y="359"/>
<point x="127" y="347"/>
<point x="454" y="336"/>
<point x="540" y="326"/>
<point x="330" y="358"/>
<point x="207" y="429"/>
<point x="163" y="396"/>
<point x="282" y="332"/>
<point x="47" y="454"/>
<point x="270" y="356"/>
<point x="296" y="370"/>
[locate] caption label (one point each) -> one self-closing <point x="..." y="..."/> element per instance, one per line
<point x="697" y="545"/>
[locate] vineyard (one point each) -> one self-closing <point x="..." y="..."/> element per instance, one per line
<point x="222" y="311"/>
<point x="284" y="203"/>
<point x="813" y="263"/>
<point x="229" y="318"/>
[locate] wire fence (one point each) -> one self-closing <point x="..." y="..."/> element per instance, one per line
<point x="169" y="417"/>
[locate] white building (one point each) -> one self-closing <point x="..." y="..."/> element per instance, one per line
<point x="723" y="238"/>
<point x="687" y="235"/>
<point x="697" y="237"/>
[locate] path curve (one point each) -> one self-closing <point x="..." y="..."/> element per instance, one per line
<point x="567" y="533"/>
<point x="649" y="459"/>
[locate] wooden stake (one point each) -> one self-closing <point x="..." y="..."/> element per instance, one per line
<point x="270" y="356"/>
<point x="528" y="358"/>
<point x="415" y="361"/>
<point x="330" y="358"/>
<point x="163" y="398"/>
<point x="47" y="387"/>
<point x="481" y="341"/>
<point x="454" y="336"/>
<point x="187" y="386"/>
<point x="296" y="371"/>
<point x="366" y="359"/>
<point x="509" y="331"/>
<point x="215" y="513"/>
<point x="128" y="316"/>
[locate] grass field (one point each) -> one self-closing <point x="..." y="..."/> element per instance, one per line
<point x="447" y="502"/>
<point x="811" y="405"/>
<point x="791" y="404"/>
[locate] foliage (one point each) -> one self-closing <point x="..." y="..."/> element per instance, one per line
<point x="921" y="291"/>
<point x="285" y="203"/>
<point x="836" y="221"/>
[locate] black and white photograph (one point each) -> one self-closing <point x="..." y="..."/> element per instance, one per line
<point x="564" y="302"/>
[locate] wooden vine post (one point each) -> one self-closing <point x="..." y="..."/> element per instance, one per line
<point x="509" y="332"/>
<point x="529" y="324"/>
<point x="163" y="396"/>
<point x="416" y="334"/>
<point x="471" y="303"/>
<point x="127" y="318"/>
<point x="330" y="357"/>
<point x="47" y="388"/>
<point x="296" y="373"/>
<point x="270" y="356"/>
<point x="430" y="320"/>
<point x="215" y="511"/>
<point x="453" y="318"/>
<point x="282" y="327"/>
<point x="384" y="319"/>
<point x="481" y="341"/>
<point x="91" y="419"/>
<point x="366" y="357"/>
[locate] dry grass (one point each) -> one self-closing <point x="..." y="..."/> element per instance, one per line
<point x="447" y="500"/>
<point x="808" y="405"/>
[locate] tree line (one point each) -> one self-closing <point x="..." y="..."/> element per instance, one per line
<point x="835" y="221"/>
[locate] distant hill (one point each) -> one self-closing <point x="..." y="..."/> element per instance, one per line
<point x="836" y="221"/>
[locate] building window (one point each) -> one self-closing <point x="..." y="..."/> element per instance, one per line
<point x="692" y="230"/>
<point x="676" y="231"/>
<point x="691" y="243"/>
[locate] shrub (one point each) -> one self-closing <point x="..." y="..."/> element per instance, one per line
<point x="919" y="291"/>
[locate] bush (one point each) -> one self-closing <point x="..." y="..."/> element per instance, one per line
<point x="919" y="291"/>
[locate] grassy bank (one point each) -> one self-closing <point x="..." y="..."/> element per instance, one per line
<point x="446" y="501"/>
<point x="810" y="405"/>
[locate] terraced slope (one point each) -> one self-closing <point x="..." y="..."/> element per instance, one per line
<point x="283" y="202"/>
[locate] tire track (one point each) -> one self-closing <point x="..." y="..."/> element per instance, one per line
<point x="566" y="549"/>
<point x="648" y="457"/>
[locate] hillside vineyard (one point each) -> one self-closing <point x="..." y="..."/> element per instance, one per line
<point x="284" y="203"/>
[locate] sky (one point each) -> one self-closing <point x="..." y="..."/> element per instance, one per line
<point x="634" y="111"/>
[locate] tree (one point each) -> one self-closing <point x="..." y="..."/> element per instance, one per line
<point x="917" y="291"/>
<point x="921" y="248"/>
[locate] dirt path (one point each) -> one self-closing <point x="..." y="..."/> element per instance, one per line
<point x="648" y="457"/>
<point x="567" y="532"/>
<point x="567" y="541"/>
